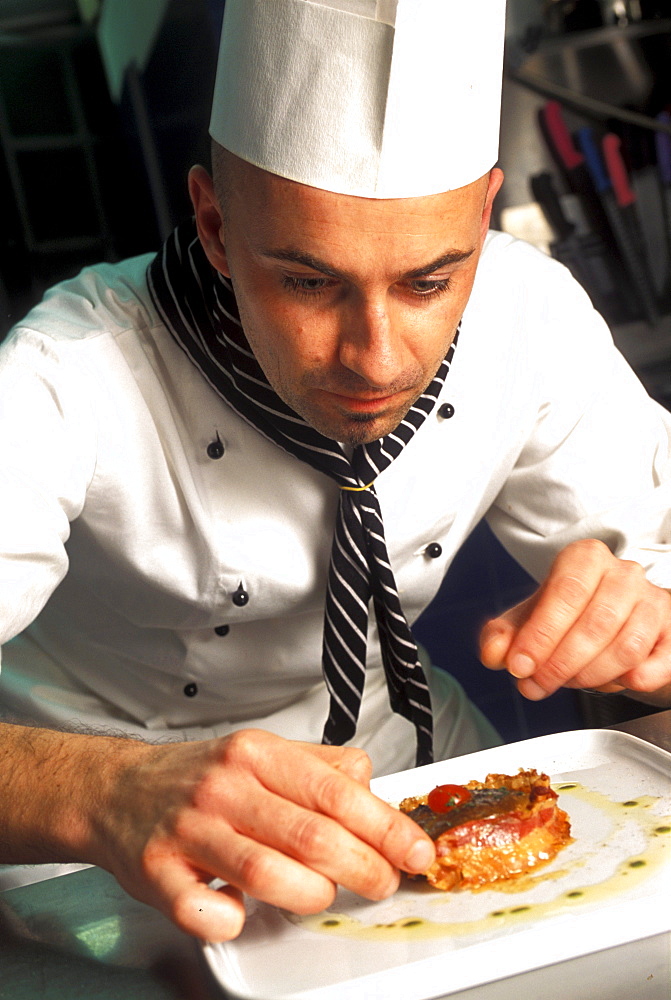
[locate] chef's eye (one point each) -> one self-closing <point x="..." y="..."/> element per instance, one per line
<point x="307" y="285"/>
<point x="427" y="288"/>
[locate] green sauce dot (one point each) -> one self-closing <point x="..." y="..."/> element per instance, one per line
<point x="330" y="923"/>
<point x="565" y="788"/>
<point x="637" y="864"/>
<point x="498" y="913"/>
<point x="574" y="895"/>
<point x="630" y="802"/>
<point x="663" y="829"/>
<point x="412" y="923"/>
<point x="520" y="909"/>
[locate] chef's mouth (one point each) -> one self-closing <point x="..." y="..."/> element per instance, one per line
<point x="367" y="401"/>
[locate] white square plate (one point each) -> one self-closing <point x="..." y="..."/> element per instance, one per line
<point x="610" y="886"/>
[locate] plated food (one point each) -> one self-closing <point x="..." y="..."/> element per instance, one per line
<point x="610" y="887"/>
<point x="487" y="831"/>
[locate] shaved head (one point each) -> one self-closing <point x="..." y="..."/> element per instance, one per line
<point x="348" y="303"/>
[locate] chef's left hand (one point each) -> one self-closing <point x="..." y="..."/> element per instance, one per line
<point x="596" y="622"/>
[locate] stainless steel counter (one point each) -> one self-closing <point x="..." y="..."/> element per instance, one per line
<point x="81" y="937"/>
<point x="653" y="728"/>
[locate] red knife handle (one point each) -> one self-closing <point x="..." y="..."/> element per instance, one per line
<point x="560" y="136"/>
<point x="617" y="170"/>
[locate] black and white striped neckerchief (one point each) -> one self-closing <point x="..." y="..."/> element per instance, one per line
<point x="198" y="307"/>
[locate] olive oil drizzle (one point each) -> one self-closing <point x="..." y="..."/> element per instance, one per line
<point x="631" y="870"/>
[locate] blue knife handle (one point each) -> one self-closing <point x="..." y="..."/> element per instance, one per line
<point x="592" y="154"/>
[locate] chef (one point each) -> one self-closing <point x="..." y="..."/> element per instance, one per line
<point x="235" y="472"/>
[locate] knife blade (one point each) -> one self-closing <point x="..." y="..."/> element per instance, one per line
<point x="620" y="204"/>
<point x="586" y="256"/>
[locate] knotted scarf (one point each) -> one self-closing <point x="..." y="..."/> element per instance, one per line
<point x="198" y="306"/>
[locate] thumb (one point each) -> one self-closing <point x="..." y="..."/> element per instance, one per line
<point x="497" y="635"/>
<point x="495" y="640"/>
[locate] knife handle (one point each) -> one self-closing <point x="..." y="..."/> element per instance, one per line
<point x="560" y="136"/>
<point x="617" y="171"/>
<point x="592" y="153"/>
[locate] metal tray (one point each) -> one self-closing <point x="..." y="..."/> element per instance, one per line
<point x="611" y="886"/>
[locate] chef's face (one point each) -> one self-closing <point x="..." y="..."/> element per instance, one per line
<point x="348" y="303"/>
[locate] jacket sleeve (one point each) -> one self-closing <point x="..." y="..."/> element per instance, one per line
<point x="47" y="458"/>
<point x="597" y="460"/>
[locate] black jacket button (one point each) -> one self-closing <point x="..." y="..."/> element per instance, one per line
<point x="240" y="597"/>
<point x="434" y="550"/>
<point x="215" y="449"/>
<point x="191" y="690"/>
<point x="222" y="630"/>
<point x="446" y="411"/>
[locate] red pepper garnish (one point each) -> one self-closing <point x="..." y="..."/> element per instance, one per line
<point x="446" y="797"/>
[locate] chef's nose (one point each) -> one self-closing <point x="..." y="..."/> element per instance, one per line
<point x="371" y="344"/>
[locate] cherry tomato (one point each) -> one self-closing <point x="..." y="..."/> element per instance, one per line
<point x="446" y="797"/>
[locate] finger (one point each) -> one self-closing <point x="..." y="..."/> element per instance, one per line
<point x="498" y="635"/>
<point x="655" y="673"/>
<point x="612" y="688"/>
<point x="630" y="648"/>
<point x="258" y="868"/>
<point x="300" y="836"/>
<point x="328" y="791"/>
<point x="388" y="833"/>
<point x="611" y="635"/>
<point x="185" y="898"/>
<point x="611" y="638"/>
<point x="576" y="576"/>
<point x="495" y="641"/>
<point x="350" y="760"/>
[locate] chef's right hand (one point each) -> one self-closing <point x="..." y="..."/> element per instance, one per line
<point x="282" y="821"/>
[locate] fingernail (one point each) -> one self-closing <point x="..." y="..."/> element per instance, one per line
<point x="531" y="690"/>
<point x="521" y="665"/>
<point x="420" y="856"/>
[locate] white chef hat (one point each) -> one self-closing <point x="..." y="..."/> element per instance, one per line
<point x="377" y="98"/>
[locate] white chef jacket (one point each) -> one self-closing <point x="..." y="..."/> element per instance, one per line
<point x="122" y="542"/>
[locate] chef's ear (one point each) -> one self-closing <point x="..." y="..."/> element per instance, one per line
<point x="493" y="188"/>
<point x="209" y="218"/>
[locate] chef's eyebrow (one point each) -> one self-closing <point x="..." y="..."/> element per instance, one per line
<point x="447" y="259"/>
<point x="306" y="259"/>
